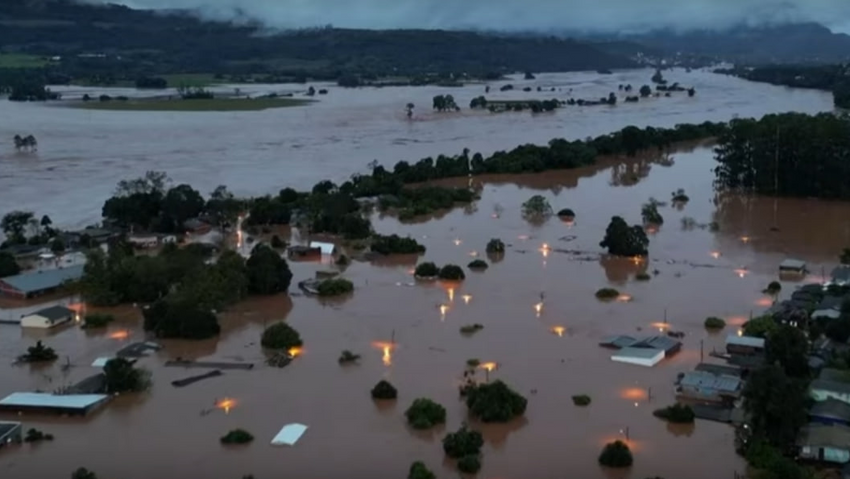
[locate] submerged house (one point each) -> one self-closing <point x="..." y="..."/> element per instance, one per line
<point x="828" y="308"/>
<point x="830" y="412"/>
<point x="643" y="352"/>
<point x="48" y="317"/>
<point x="744" y="345"/>
<point x="819" y="442"/>
<point x="792" y="266"/>
<point x="69" y="404"/>
<point x="831" y="384"/>
<point x="841" y="275"/>
<point x="10" y="433"/>
<point x="36" y="283"/>
<point x="709" y="387"/>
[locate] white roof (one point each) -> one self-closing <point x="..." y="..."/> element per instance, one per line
<point x="289" y="435"/>
<point x="327" y="248"/>
<point x="100" y="362"/>
<point x="750" y="341"/>
<point x="640" y="356"/>
<point x="792" y="264"/>
<point x="75" y="401"/>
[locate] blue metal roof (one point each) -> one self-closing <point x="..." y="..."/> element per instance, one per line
<point x="705" y="380"/>
<point x="34" y="282"/>
<point x="69" y="401"/>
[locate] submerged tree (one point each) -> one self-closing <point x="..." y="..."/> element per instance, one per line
<point x="536" y="208"/>
<point x="624" y="240"/>
<point x="776" y="404"/>
<point x="268" y="272"/>
<point x="121" y="376"/>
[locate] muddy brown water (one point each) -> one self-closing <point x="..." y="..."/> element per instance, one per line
<point x="163" y="434"/>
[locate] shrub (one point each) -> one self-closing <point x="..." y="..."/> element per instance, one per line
<point x="773" y="288"/>
<point x="607" y="293"/>
<point x="677" y="413"/>
<point x="97" y="320"/>
<point x="566" y="213"/>
<point x="384" y="390"/>
<point x="451" y="272"/>
<point x="471" y="328"/>
<point x="649" y="213"/>
<point x="426" y="270"/>
<point x="616" y="454"/>
<point x="394" y="244"/>
<point x="473" y="363"/>
<point x="348" y="357"/>
<point x="624" y="240"/>
<point x="425" y="413"/>
<point x="464" y="442"/>
<point x="237" y="436"/>
<point x="34" y="435"/>
<point x="281" y="336"/>
<point x="83" y="473"/>
<point x="536" y="207"/>
<point x="495" y="245"/>
<point x="479" y="264"/>
<point x="419" y="471"/>
<point x="679" y="196"/>
<point x="495" y="402"/>
<point x="643" y="276"/>
<point x="714" y="323"/>
<point x="469" y="464"/>
<point x="335" y="287"/>
<point x="581" y="400"/>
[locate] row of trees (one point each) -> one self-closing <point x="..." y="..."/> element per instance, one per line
<point x="791" y="154"/>
<point x="833" y="78"/>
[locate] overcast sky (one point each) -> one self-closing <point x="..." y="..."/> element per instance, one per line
<point x="587" y="15"/>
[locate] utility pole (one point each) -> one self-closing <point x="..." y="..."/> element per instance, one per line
<point x="700" y="350"/>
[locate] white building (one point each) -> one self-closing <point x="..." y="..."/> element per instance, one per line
<point x="48" y="317"/>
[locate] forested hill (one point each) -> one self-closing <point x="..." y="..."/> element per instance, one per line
<point x="180" y="42"/>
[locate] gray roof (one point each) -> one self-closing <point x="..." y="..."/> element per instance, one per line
<point x="663" y="343"/>
<point x="831" y="302"/>
<point x="750" y="341"/>
<point x="820" y="435"/>
<point x="792" y="264"/>
<point x="69" y="401"/>
<point x="719" y="369"/>
<point x="832" y="386"/>
<point x="705" y="380"/>
<point x="841" y="273"/>
<point x="831" y="409"/>
<point x="34" y="282"/>
<point x="54" y="313"/>
<point x="642" y="353"/>
<point x="618" y="341"/>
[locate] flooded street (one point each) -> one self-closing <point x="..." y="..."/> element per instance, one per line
<point x="83" y="153"/>
<point x="546" y="356"/>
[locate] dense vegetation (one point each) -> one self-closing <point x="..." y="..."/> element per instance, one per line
<point x="607" y="293"/>
<point x="83" y="473"/>
<point x="786" y="155"/>
<point x="425" y="413"/>
<point x="495" y="402"/>
<point x="463" y="442"/>
<point x="418" y="470"/>
<point x="8" y="265"/>
<point x="832" y="78"/>
<point x="395" y="244"/>
<point x="478" y="264"/>
<point x="451" y="272"/>
<point x="237" y="436"/>
<point x="426" y="270"/>
<point x="39" y="353"/>
<point x="334" y="287"/>
<point x="677" y="413"/>
<point x="97" y="320"/>
<point x="714" y="323"/>
<point x="281" y="336"/>
<point x="121" y="376"/>
<point x="581" y="400"/>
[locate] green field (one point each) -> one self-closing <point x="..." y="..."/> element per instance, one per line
<point x="19" y="60"/>
<point x="215" y="104"/>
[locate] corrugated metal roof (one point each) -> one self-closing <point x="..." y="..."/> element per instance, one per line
<point x="701" y="379"/>
<point x="832" y="409"/>
<point x="750" y="341"/>
<point x="46" y="279"/>
<point x="53" y="313"/>
<point x="819" y="435"/>
<point x="327" y="248"/>
<point x="618" y="341"/>
<point x="70" y="401"/>
<point x="830" y="386"/>
<point x="792" y="264"/>
<point x="640" y="353"/>
<point x="289" y="435"/>
<point x="663" y="343"/>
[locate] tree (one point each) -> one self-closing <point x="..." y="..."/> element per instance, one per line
<point x="335" y="287"/>
<point x="121" y="376"/>
<point x="624" y="240"/>
<point x="180" y="204"/>
<point x="394" y="244"/>
<point x="451" y="272"/>
<point x="677" y="413"/>
<point x="776" y="405"/>
<point x="237" y="436"/>
<point x="760" y="326"/>
<point x="46" y="221"/>
<point x="789" y="348"/>
<point x="14" y="225"/>
<point x="223" y="206"/>
<point x="469" y="464"/>
<point x="645" y="91"/>
<point x="649" y="213"/>
<point x="426" y="270"/>
<point x="616" y="454"/>
<point x="495" y="402"/>
<point x="844" y="258"/>
<point x="495" y="245"/>
<point x="268" y="273"/>
<point x="536" y="208"/>
<point x="152" y="182"/>
<point x="180" y="317"/>
<point x="425" y="413"/>
<point x="281" y="336"/>
<point x="57" y="246"/>
<point x="39" y="353"/>
<point x="384" y="390"/>
<point x="8" y="265"/>
<point x="418" y="470"/>
<point x="409" y="110"/>
<point x="83" y="473"/>
<point x="464" y="442"/>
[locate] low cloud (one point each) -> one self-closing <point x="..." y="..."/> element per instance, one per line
<point x="514" y="15"/>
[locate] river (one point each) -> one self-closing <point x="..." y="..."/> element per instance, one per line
<point x="700" y="273"/>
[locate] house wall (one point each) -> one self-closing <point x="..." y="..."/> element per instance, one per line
<point x="826" y="454"/>
<point x="703" y="394"/>
<point x="36" y="321"/>
<point x="823" y="395"/>
<point x="8" y="290"/>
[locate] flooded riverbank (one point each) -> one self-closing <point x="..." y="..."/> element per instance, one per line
<point x="700" y="273"/>
<point x="83" y="154"/>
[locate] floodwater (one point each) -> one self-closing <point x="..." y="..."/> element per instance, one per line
<point x="83" y="154"/>
<point x="547" y="356"/>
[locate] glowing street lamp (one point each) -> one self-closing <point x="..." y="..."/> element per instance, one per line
<point x="226" y="404"/>
<point x="559" y="330"/>
<point x="538" y="308"/>
<point x="466" y="298"/>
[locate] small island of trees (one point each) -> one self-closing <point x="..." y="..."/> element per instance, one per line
<point x="616" y="454"/>
<point x="624" y="240"/>
<point x="39" y="353"/>
<point x="495" y="402"/>
<point x="334" y="287"/>
<point x="395" y="244"/>
<point x="281" y="336"/>
<point x="384" y="390"/>
<point x="426" y="270"/>
<point x="425" y="413"/>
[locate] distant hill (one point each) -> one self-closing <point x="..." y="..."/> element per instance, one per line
<point x="179" y="42"/>
<point x="796" y="43"/>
